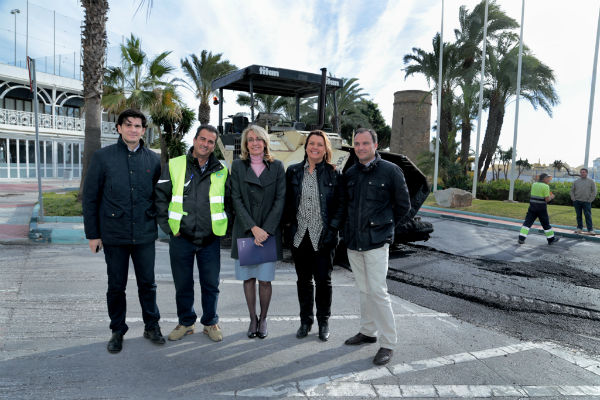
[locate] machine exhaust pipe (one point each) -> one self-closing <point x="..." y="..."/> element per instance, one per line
<point x="322" y="97"/>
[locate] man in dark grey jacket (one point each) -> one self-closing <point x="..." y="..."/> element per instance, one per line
<point x="193" y="198"/>
<point x="119" y="216"/>
<point x="377" y="200"/>
<point x="583" y="193"/>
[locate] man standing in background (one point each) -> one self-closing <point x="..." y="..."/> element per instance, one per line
<point x="583" y="193"/>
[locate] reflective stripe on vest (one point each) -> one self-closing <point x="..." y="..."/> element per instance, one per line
<point x="177" y="168"/>
<point x="216" y="193"/>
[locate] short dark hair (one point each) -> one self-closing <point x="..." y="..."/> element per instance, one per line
<point x="584" y="169"/>
<point x="209" y="128"/>
<point x="371" y="131"/>
<point x="131" y="113"/>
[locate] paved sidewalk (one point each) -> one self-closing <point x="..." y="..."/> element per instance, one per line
<point x="17" y="201"/>
<point x="55" y="327"/>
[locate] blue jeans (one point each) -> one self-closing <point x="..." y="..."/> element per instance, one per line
<point x="208" y="258"/>
<point x="587" y="212"/>
<point x="117" y="267"/>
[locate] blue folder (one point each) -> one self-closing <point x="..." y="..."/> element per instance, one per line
<point x="251" y="254"/>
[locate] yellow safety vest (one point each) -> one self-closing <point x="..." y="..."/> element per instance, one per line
<point x="216" y="194"/>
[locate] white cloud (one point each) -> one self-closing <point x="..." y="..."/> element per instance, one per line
<point x="367" y="40"/>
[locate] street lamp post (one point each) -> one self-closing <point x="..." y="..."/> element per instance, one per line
<point x="14" y="12"/>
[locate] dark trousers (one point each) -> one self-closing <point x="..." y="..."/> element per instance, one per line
<point x="182" y="253"/>
<point x="587" y="212"/>
<point x="117" y="268"/>
<point x="535" y="211"/>
<point x="318" y="265"/>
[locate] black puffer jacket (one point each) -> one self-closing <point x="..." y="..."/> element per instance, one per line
<point x="196" y="226"/>
<point x="331" y="199"/>
<point x="118" y="195"/>
<point x="378" y="200"/>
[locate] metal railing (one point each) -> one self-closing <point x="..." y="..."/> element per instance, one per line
<point x="59" y="122"/>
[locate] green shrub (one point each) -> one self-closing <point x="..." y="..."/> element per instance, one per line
<point x="62" y="204"/>
<point x="499" y="190"/>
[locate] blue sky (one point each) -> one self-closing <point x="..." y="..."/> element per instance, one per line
<point x="360" y="38"/>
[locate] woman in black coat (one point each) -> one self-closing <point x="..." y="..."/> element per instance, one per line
<point x="258" y="194"/>
<point x="313" y="215"/>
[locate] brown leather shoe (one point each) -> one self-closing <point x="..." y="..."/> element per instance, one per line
<point x="359" y="338"/>
<point x="383" y="356"/>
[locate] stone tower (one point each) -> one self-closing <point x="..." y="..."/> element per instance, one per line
<point x="411" y="123"/>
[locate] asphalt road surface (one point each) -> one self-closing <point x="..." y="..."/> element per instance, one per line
<point x="481" y="275"/>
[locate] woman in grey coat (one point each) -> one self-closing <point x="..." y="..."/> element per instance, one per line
<point x="258" y="194"/>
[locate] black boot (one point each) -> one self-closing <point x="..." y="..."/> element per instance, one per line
<point x="155" y="335"/>
<point x="303" y="330"/>
<point x="115" y="344"/>
<point x="324" y="331"/>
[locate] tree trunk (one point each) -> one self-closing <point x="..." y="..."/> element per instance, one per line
<point x="492" y="135"/>
<point x="164" y="150"/>
<point x="93" y="43"/>
<point x="446" y="124"/>
<point x="465" y="143"/>
<point x="204" y="113"/>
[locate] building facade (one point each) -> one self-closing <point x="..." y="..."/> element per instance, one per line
<point x="60" y="120"/>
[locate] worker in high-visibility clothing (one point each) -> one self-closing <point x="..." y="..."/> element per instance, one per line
<point x="540" y="196"/>
<point x="193" y="199"/>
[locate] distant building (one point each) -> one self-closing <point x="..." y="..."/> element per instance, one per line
<point x="60" y="121"/>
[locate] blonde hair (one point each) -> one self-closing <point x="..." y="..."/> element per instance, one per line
<point x="328" y="152"/>
<point x="263" y="135"/>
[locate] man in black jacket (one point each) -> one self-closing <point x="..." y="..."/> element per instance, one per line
<point x="378" y="199"/>
<point x="190" y="199"/>
<point x="120" y="217"/>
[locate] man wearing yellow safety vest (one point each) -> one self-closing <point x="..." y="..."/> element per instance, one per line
<point x="540" y="195"/>
<point x="193" y="202"/>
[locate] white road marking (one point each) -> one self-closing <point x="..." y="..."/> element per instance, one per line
<point x="577" y="358"/>
<point x="356" y="389"/>
<point x="589" y="337"/>
<point x="285" y="318"/>
<point x="169" y="278"/>
<point x="355" y="384"/>
<point x="283" y="283"/>
<point x="447" y="322"/>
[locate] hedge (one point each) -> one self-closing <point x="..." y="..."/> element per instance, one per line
<point x="499" y="189"/>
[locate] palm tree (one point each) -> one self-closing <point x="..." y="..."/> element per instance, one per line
<point x="557" y="165"/>
<point x="466" y="108"/>
<point x="266" y="103"/>
<point x="166" y="113"/>
<point x="349" y="100"/>
<point x="470" y="35"/>
<point x="537" y="86"/>
<point x="201" y="72"/>
<point x="468" y="39"/>
<point x="93" y="44"/>
<point x="522" y="165"/>
<point x="138" y="81"/>
<point x="427" y="64"/>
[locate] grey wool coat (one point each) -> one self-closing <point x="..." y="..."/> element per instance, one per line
<point x="257" y="201"/>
